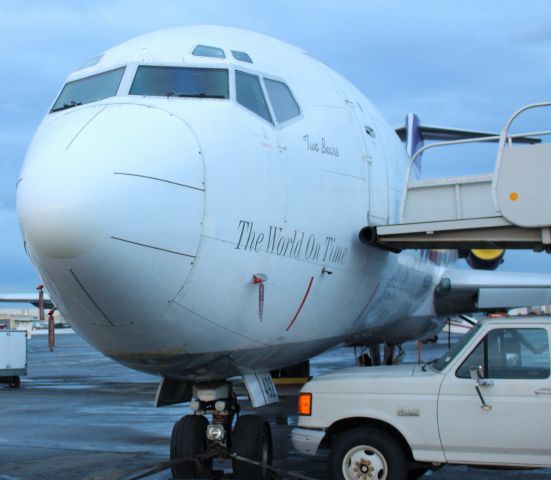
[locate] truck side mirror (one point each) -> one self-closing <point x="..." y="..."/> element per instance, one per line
<point x="477" y="372"/>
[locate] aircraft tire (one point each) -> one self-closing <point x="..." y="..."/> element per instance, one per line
<point x="189" y="439"/>
<point x="14" y="382"/>
<point x="367" y="451"/>
<point x="252" y="439"/>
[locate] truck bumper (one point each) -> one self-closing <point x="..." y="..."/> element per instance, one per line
<point x="307" y="441"/>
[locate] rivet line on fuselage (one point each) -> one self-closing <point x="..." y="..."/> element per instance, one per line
<point x="84" y="126"/>
<point x="151" y="246"/>
<point x="90" y="297"/>
<point x="368" y="303"/>
<point x="159" y="179"/>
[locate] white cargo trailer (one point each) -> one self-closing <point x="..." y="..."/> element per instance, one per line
<point x="13" y="356"/>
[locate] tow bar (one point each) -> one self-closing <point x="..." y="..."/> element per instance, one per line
<point x="153" y="468"/>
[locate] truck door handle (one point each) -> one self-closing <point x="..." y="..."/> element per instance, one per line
<point x="543" y="391"/>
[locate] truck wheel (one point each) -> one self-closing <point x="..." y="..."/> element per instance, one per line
<point x="415" y="473"/>
<point x="14" y="382"/>
<point x="367" y="453"/>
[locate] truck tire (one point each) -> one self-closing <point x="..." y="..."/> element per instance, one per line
<point x="367" y="452"/>
<point x="415" y="473"/>
<point x="14" y="382"/>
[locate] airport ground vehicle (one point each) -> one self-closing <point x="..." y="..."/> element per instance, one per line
<point x="487" y="402"/>
<point x="13" y="356"/>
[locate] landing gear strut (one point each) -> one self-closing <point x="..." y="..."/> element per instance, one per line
<point x="374" y="357"/>
<point x="195" y="441"/>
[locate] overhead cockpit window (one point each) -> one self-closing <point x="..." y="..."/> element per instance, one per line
<point x="241" y="56"/>
<point x="89" y="89"/>
<point x="180" y="82"/>
<point x="250" y="95"/>
<point x="206" y="51"/>
<point x="283" y="103"/>
<point x="92" y="62"/>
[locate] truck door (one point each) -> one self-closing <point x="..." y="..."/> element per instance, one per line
<point x="514" y="429"/>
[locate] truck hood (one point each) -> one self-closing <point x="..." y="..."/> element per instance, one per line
<point x="391" y="379"/>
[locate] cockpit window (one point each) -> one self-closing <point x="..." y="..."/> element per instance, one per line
<point x="89" y="89"/>
<point x="283" y="103"/>
<point x="250" y="95"/>
<point x="180" y="82"/>
<point x="206" y="51"/>
<point x="241" y="56"/>
<point x="92" y="62"/>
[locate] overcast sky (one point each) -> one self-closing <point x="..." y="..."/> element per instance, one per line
<point x="463" y="64"/>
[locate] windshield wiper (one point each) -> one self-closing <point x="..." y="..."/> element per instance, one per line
<point x="172" y="93"/>
<point x="65" y="106"/>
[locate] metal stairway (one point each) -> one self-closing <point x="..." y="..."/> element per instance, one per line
<point x="510" y="208"/>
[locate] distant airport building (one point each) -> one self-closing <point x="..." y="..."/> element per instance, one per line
<point x="27" y="319"/>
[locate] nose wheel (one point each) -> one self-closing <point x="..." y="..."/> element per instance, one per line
<point x="195" y="441"/>
<point x="189" y="440"/>
<point x="252" y="439"/>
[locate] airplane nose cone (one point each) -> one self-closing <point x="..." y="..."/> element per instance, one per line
<point x="110" y="202"/>
<point x="60" y="208"/>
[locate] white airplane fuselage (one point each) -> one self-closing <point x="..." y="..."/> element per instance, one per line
<point x="161" y="209"/>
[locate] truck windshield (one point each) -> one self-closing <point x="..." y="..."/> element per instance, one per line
<point x="180" y="82"/>
<point x="445" y="359"/>
<point x="89" y="89"/>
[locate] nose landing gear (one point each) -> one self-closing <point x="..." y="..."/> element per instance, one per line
<point x="194" y="438"/>
<point x="189" y="440"/>
<point x="252" y="439"/>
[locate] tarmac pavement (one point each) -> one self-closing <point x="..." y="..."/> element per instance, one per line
<point x="79" y="415"/>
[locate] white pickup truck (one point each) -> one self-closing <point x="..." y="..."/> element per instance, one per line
<point x="486" y="402"/>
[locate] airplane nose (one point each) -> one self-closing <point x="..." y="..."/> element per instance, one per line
<point x="111" y="197"/>
<point x="60" y="204"/>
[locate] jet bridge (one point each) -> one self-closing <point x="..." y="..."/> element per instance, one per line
<point x="508" y="209"/>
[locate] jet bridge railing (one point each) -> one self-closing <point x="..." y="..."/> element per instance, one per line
<point x="520" y="184"/>
<point x="503" y="209"/>
<point x="409" y="183"/>
<point x="505" y="140"/>
<point x="505" y="137"/>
